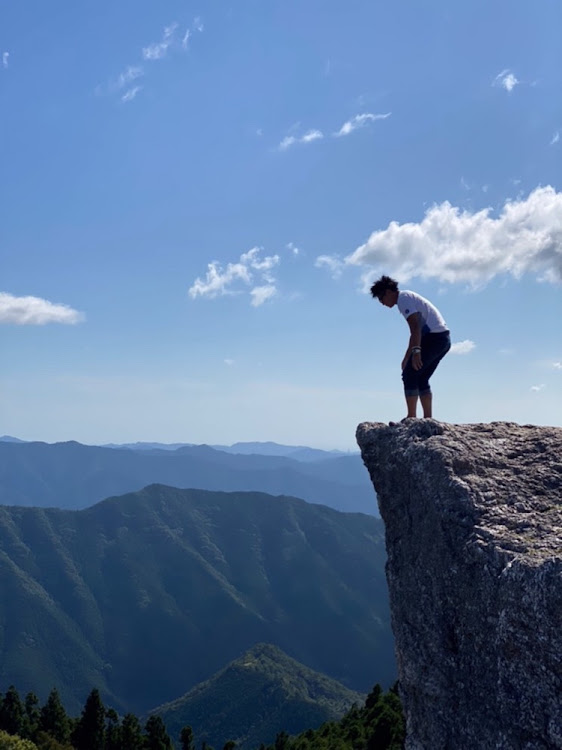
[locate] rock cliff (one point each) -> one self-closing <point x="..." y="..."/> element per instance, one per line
<point x="473" y="517"/>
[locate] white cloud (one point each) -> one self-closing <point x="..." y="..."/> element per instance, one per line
<point x="129" y="95"/>
<point x="260" y="294"/>
<point x="293" y="248"/>
<point x="454" y="245"/>
<point x="251" y="268"/>
<point x="537" y="388"/>
<point x="334" y="264"/>
<point x="463" y="347"/>
<point x="229" y="362"/>
<point x="555" y="138"/>
<point x="5" y="59"/>
<point x="197" y="24"/>
<point x="506" y="80"/>
<point x="130" y="74"/>
<point x="185" y="38"/>
<point x="35" y="311"/>
<point x="158" y="50"/>
<point x="359" y="121"/>
<point x="291" y="140"/>
<point x="557" y="365"/>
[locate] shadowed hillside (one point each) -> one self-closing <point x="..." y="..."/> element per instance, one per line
<point x="148" y="594"/>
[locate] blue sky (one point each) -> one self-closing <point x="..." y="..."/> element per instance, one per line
<point x="194" y="198"/>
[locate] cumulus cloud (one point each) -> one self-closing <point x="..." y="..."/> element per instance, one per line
<point x="250" y="271"/>
<point x="291" y="140"/>
<point x="463" y="347"/>
<point x="359" y="121"/>
<point x="537" y="388"/>
<point x="506" y="80"/>
<point x="129" y="95"/>
<point x="35" y="311"/>
<point x="5" y="59"/>
<point x="455" y="245"/>
<point x="557" y="365"/>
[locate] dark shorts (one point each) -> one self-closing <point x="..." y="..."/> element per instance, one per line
<point x="434" y="346"/>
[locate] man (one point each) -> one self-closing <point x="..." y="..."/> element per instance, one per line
<point x="429" y="341"/>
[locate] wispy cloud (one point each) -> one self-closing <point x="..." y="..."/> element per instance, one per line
<point x="291" y="140"/>
<point x="229" y="362"/>
<point x="557" y="365"/>
<point x="260" y="294"/>
<point x="251" y="270"/>
<point x="158" y="50"/>
<point x="127" y="76"/>
<point x="333" y="263"/>
<point x="555" y="138"/>
<point x="129" y="95"/>
<point x="151" y="53"/>
<point x="506" y="79"/>
<point x="293" y="248"/>
<point x="537" y="388"/>
<point x="5" y="59"/>
<point x="35" y="311"/>
<point x="455" y="245"/>
<point x="359" y="121"/>
<point x="463" y="347"/>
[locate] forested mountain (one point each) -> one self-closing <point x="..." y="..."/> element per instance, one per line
<point x="254" y="698"/>
<point x="71" y="475"/>
<point x="148" y="594"/>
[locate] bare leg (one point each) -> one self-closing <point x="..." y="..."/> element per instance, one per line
<point x="411" y="402"/>
<point x="426" y="403"/>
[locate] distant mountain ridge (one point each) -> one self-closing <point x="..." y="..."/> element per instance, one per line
<point x="259" y="694"/>
<point x="148" y="594"/>
<point x="71" y="475"/>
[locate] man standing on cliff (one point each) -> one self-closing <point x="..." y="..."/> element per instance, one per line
<point x="429" y="341"/>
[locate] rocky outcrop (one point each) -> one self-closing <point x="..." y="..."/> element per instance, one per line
<point x="473" y="517"/>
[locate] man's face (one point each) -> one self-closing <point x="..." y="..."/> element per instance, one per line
<point x="389" y="298"/>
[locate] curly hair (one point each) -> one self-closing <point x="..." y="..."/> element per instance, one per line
<point x="381" y="285"/>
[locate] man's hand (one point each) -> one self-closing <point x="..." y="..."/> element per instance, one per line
<point x="417" y="363"/>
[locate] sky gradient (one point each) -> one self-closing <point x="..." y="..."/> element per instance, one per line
<point x="195" y="198"/>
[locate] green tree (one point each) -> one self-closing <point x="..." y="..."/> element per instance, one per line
<point x="12" y="742"/>
<point x="89" y="733"/>
<point x="12" y="712"/>
<point x="156" y="736"/>
<point x="53" y="719"/>
<point x="32" y="716"/>
<point x="112" y="730"/>
<point x="131" y="733"/>
<point x="186" y="738"/>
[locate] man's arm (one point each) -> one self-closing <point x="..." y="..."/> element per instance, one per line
<point x="415" y="341"/>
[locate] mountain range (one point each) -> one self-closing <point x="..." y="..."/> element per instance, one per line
<point x="148" y="594"/>
<point x="74" y="476"/>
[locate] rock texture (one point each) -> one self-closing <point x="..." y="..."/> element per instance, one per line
<point x="473" y="517"/>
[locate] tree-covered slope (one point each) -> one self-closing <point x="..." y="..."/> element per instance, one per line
<point x="254" y="698"/>
<point x="148" y="594"/>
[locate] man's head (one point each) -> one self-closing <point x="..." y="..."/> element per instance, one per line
<point x="385" y="290"/>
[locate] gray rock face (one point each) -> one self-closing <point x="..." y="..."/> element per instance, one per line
<point x="473" y="517"/>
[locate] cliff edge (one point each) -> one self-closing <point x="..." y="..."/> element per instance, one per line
<point x="473" y="517"/>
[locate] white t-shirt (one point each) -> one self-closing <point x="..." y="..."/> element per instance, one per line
<point x="431" y="319"/>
